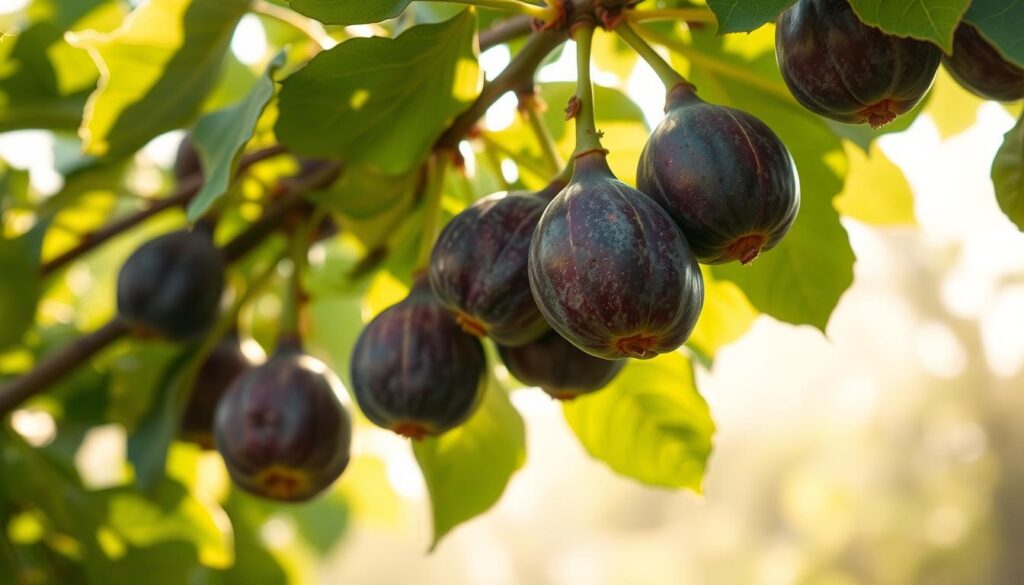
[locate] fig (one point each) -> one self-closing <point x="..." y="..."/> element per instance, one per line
<point x="610" y="270"/>
<point x="414" y="370"/>
<point x="283" y="428"/>
<point x="478" y="268"/>
<point x="171" y="286"/>
<point x="722" y="174"/>
<point x="225" y="363"/>
<point x="555" y="366"/>
<point x="979" y="67"/>
<point x="838" y="67"/>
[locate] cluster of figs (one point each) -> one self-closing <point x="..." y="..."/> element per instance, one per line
<point x="568" y="282"/>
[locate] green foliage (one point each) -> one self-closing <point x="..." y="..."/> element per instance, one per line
<point x="739" y="16"/>
<point x="650" y="423"/>
<point x="1000" y="23"/>
<point x="220" y="136"/>
<point x="400" y="92"/>
<point x="467" y="469"/>
<point x="375" y="108"/>
<point x="157" y="71"/>
<point x="20" y="287"/>
<point x="1008" y="175"/>
<point x="346" y="12"/>
<point x="930" y="20"/>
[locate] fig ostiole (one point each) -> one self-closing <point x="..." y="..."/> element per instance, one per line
<point x="610" y="270"/>
<point x="840" y="68"/>
<point x="723" y="175"/>
<point x="415" y="371"/>
<point x="283" y="428"/>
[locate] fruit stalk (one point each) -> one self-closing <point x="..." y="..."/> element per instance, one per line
<point x="307" y="26"/>
<point x="688" y="15"/>
<point x="668" y="76"/>
<point x="582" y="108"/>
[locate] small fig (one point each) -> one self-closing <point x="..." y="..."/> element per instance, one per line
<point x="225" y="363"/>
<point x="838" y="67"/>
<point x="478" y="268"/>
<point x="283" y="429"/>
<point x="171" y="285"/>
<point x="558" y="368"/>
<point x="979" y="67"/>
<point x="610" y="270"/>
<point x="414" y="370"/>
<point x="724" y="177"/>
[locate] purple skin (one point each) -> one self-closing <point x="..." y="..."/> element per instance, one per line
<point x="478" y="268"/>
<point x="414" y="370"/>
<point x="282" y="428"/>
<point x="557" y="367"/>
<point x="724" y="177"/>
<point x="171" y="285"/>
<point x="981" y="69"/>
<point x="224" y="364"/>
<point x="838" y="67"/>
<point x="610" y="270"/>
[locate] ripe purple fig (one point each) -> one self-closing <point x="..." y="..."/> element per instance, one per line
<point x="225" y="363"/>
<point x="722" y="174"/>
<point x="610" y="270"/>
<point x="478" y="268"/>
<point x="555" y="366"/>
<point x="414" y="370"/>
<point x="838" y="67"/>
<point x="981" y="69"/>
<point x="171" y="285"/>
<point x="283" y="429"/>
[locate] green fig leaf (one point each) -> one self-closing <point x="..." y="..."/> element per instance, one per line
<point x="1008" y="175"/>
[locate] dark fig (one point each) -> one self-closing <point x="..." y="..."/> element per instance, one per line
<point x="724" y="177"/>
<point x="283" y="429"/>
<point x="186" y="162"/>
<point x="979" y="67"/>
<point x="555" y="366"/>
<point x="478" y="268"/>
<point x="225" y="363"/>
<point x="414" y="370"/>
<point x="171" y="286"/>
<point x="610" y="270"/>
<point x="838" y="67"/>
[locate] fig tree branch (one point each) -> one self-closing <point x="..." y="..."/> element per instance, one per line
<point x="181" y="195"/>
<point x="504" y="31"/>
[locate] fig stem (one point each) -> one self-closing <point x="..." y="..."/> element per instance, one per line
<point x="531" y="107"/>
<point x="669" y="76"/>
<point x="587" y="137"/>
<point x="298" y="250"/>
<point x="688" y="15"/>
<point x="708" y="62"/>
<point x="545" y="13"/>
<point x="437" y="166"/>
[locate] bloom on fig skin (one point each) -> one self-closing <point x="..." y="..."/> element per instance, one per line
<point x="979" y="67"/>
<point x="838" y="67"/>
<point x="555" y="366"/>
<point x="610" y="270"/>
<point x="283" y="428"/>
<point x="725" y="178"/>
<point x="478" y="268"/>
<point x="414" y="370"/>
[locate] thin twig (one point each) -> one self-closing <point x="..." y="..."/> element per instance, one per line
<point x="504" y="31"/>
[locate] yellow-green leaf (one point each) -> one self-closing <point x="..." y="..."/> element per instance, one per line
<point x="876" y="191"/>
